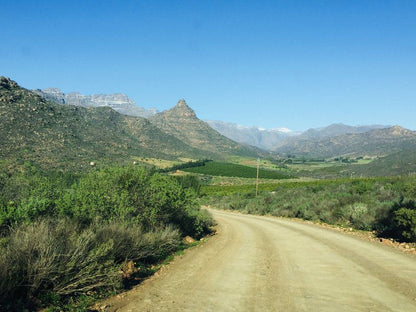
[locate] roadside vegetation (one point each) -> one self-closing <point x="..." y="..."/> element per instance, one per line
<point x="384" y="205"/>
<point x="66" y="239"/>
<point x="218" y="191"/>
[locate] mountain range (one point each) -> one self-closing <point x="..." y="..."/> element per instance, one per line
<point x="336" y="140"/>
<point x="55" y="135"/>
<point x="255" y="136"/>
<point x="337" y="129"/>
<point x="375" y="142"/>
<point x="184" y="123"/>
<point x="119" y="102"/>
<point x="54" y="129"/>
<point x="317" y="142"/>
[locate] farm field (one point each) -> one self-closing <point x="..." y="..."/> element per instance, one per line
<point x="235" y="170"/>
<point x="161" y="163"/>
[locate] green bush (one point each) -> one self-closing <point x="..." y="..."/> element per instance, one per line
<point x="400" y="221"/>
<point x="63" y="236"/>
<point x="364" y="204"/>
<point x="191" y="182"/>
<point x="405" y="220"/>
<point x="130" y="193"/>
<point x="30" y="194"/>
<point x="357" y="215"/>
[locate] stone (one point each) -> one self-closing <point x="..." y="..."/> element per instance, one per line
<point x="189" y="240"/>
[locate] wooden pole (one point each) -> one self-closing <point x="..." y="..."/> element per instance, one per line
<point x="257" y="179"/>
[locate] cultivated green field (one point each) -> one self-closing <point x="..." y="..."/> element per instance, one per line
<point x="234" y="170"/>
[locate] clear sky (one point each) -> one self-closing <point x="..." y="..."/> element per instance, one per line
<point x="295" y="64"/>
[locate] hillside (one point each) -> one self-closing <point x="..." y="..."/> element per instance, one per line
<point x="377" y="142"/>
<point x="60" y="136"/>
<point x="182" y="122"/>
<point x="338" y="129"/>
<point x="400" y="163"/>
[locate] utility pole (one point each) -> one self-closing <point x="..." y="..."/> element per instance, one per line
<point x="257" y="179"/>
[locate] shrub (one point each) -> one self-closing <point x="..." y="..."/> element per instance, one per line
<point x="28" y="195"/>
<point x="365" y="204"/>
<point x="60" y="241"/>
<point x="52" y="256"/>
<point x="110" y="193"/>
<point x="358" y="215"/>
<point x="202" y="223"/>
<point x="130" y="242"/>
<point x="405" y="221"/>
<point x="190" y="182"/>
<point x="400" y="221"/>
<point x="361" y="186"/>
<point x="130" y="193"/>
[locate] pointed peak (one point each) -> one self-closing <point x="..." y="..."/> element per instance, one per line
<point x="182" y="103"/>
<point x="181" y="109"/>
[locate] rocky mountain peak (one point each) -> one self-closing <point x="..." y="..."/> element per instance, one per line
<point x="118" y="101"/>
<point x="181" y="110"/>
<point x="7" y="83"/>
<point x="182" y="103"/>
<point x="182" y="122"/>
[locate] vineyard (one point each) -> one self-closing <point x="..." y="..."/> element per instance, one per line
<point x="234" y="170"/>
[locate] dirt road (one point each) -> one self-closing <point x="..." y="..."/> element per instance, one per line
<point x="269" y="264"/>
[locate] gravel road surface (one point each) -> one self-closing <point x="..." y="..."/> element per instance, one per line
<point x="271" y="264"/>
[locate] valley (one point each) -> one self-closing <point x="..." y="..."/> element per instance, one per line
<point x="131" y="183"/>
<point x="207" y="156"/>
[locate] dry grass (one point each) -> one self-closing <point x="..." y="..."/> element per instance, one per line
<point x="57" y="256"/>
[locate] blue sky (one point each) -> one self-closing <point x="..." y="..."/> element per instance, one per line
<point x="295" y="64"/>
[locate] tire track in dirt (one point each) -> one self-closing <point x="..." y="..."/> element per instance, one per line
<point x="259" y="263"/>
<point x="391" y="279"/>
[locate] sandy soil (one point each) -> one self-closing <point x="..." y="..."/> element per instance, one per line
<point x="270" y="264"/>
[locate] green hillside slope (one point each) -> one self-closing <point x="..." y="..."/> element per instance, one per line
<point x="53" y="135"/>
<point x="400" y="163"/>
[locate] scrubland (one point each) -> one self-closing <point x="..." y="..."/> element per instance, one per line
<point x="66" y="239"/>
<point x="384" y="205"/>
